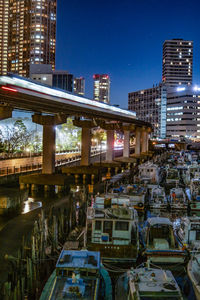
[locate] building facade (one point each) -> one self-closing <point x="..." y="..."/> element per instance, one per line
<point x="28" y="34"/>
<point x="58" y="79"/>
<point x="177" y="64"/>
<point x="101" y="88"/>
<point x="150" y="105"/>
<point x="183" y="112"/>
<point x="79" y="86"/>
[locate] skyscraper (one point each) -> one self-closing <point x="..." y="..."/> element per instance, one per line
<point x="79" y="86"/>
<point x="183" y="115"/>
<point x="177" y="62"/>
<point x="101" y="88"/>
<point x="28" y="34"/>
<point x="150" y="105"/>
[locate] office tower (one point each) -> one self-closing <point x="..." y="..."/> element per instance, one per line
<point x="101" y="88"/>
<point x="79" y="86"/>
<point x="28" y="34"/>
<point x="177" y="62"/>
<point x="58" y="79"/>
<point x="150" y="105"/>
<point x="183" y="114"/>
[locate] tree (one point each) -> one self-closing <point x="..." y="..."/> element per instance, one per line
<point x="67" y="135"/>
<point x="16" y="137"/>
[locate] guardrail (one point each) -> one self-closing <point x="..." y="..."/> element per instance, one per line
<point x="37" y="167"/>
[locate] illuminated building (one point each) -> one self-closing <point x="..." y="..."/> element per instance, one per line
<point x="150" y="105"/>
<point x="79" y="86"/>
<point x="28" y="34"/>
<point x="183" y="111"/>
<point x="58" y="79"/>
<point x="101" y="88"/>
<point x="177" y="62"/>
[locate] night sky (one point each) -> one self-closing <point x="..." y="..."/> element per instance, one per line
<point x="123" y="39"/>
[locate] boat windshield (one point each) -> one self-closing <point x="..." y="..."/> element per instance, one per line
<point x="161" y="234"/>
<point x="194" y="233"/>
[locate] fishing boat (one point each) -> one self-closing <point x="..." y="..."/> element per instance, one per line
<point x="193" y="271"/>
<point x="187" y="230"/>
<point x="158" y="199"/>
<point x="172" y="176"/>
<point x="146" y="284"/>
<point x="112" y="228"/>
<point x="78" y="275"/>
<point x="194" y="193"/>
<point x="136" y="193"/>
<point x="149" y="173"/>
<point x="160" y="243"/>
<point x="177" y="199"/>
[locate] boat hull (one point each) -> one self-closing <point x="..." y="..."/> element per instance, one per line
<point x="195" y="283"/>
<point x="120" y="253"/>
<point x="166" y="257"/>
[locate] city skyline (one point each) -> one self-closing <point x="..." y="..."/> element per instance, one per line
<point x="124" y="40"/>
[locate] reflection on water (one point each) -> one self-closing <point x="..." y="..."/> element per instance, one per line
<point x="30" y="205"/>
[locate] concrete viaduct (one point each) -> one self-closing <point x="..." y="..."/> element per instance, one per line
<point x="52" y="107"/>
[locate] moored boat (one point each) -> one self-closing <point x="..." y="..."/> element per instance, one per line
<point x="177" y="199"/>
<point x="193" y="271"/>
<point x="158" y="199"/>
<point x="172" y="176"/>
<point x="160" y="243"/>
<point x="78" y="274"/>
<point x="112" y="229"/>
<point x="188" y="232"/>
<point x="136" y="194"/>
<point x="146" y="284"/>
<point x="149" y="173"/>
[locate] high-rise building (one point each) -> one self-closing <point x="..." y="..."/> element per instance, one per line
<point x="150" y="105"/>
<point x="28" y="34"/>
<point x="79" y="86"/>
<point x="177" y="62"/>
<point x="183" y="111"/>
<point x="101" y="88"/>
<point x="58" y="79"/>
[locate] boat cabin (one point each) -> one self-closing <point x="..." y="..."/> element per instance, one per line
<point x="188" y="231"/>
<point x="112" y="228"/>
<point x="146" y="284"/>
<point x="149" y="173"/>
<point x="160" y="242"/>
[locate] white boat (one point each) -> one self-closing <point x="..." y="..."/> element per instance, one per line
<point x="177" y="199"/>
<point x="149" y="173"/>
<point x="136" y="194"/>
<point x="194" y="194"/>
<point x="112" y="228"/>
<point x="147" y="284"/>
<point x="188" y="232"/>
<point x="172" y="176"/>
<point x="158" y="198"/>
<point x="160" y="243"/>
<point x="193" y="271"/>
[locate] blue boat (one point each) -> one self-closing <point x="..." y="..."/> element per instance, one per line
<point x="78" y="275"/>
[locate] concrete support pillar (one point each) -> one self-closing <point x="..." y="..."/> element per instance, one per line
<point x="147" y="141"/>
<point x="137" y="142"/>
<point x="5" y="112"/>
<point x="49" y="140"/>
<point x="110" y="145"/>
<point x="126" y="150"/>
<point x="85" y="146"/>
<point x="144" y="141"/>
